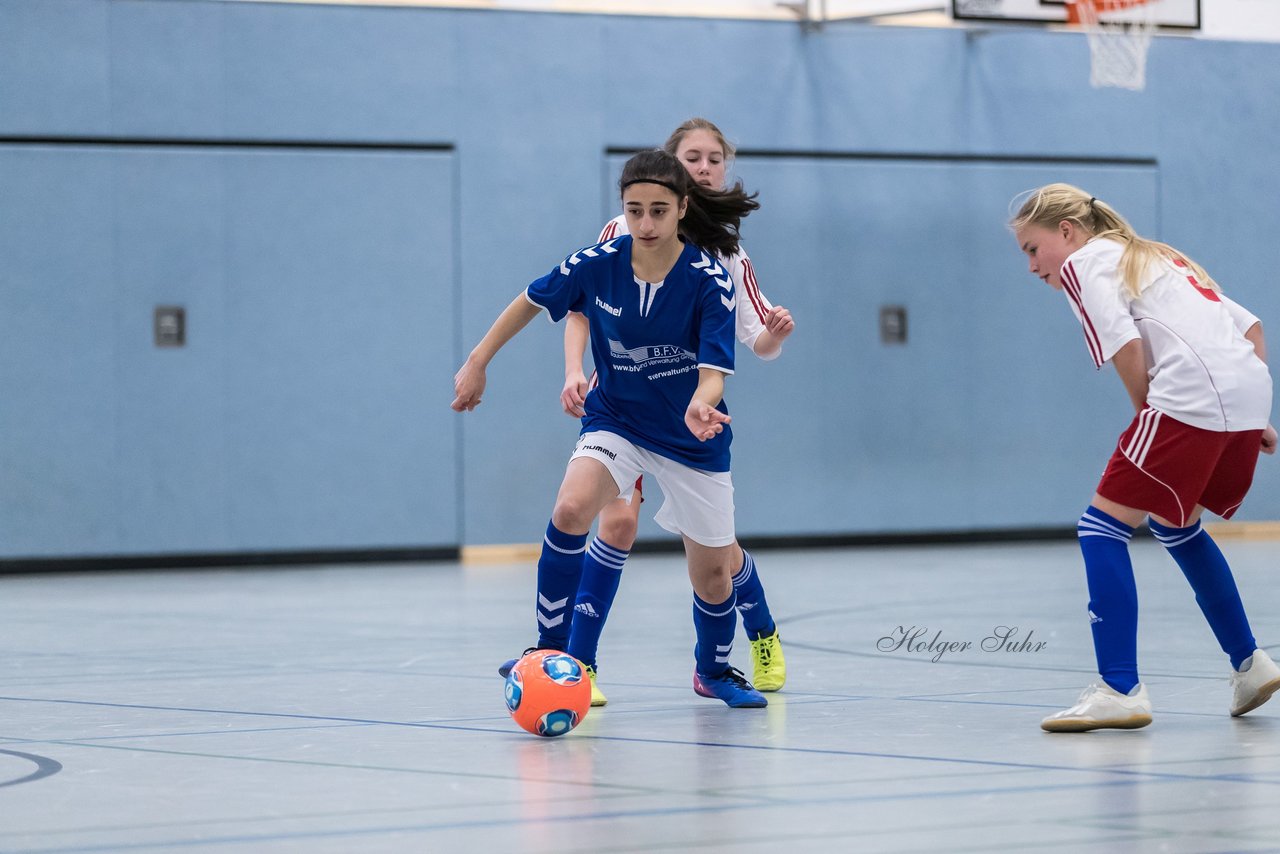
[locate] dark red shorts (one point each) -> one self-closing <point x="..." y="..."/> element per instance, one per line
<point x="1166" y="468"/>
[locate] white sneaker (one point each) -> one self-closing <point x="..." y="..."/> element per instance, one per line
<point x="1103" y="707"/>
<point x="1254" y="683"/>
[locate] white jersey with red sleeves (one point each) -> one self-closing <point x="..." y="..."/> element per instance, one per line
<point x="1203" y="371"/>
<point x="751" y="310"/>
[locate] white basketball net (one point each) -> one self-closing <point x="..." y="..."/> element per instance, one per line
<point x="1118" y="41"/>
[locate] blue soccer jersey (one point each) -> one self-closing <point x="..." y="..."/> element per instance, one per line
<point x="648" y="341"/>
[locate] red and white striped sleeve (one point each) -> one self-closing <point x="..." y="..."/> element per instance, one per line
<point x="1094" y="290"/>
<point x="753" y="306"/>
<point x="614" y="227"/>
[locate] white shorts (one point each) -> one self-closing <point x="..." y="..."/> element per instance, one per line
<point x="697" y="504"/>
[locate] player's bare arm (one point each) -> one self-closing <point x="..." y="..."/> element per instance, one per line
<point x="701" y="417"/>
<point x="778" y="326"/>
<point x="577" y="333"/>
<point x="1269" y="440"/>
<point x="469" y="381"/>
<point x="1131" y="365"/>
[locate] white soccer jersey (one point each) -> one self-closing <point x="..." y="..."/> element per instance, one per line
<point x="751" y="311"/>
<point x="1203" y="371"/>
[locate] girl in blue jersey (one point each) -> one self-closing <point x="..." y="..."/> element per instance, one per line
<point x="702" y="149"/>
<point x="661" y="314"/>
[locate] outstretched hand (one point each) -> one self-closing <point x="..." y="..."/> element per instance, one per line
<point x="778" y="323"/>
<point x="704" y="421"/>
<point x="468" y="386"/>
<point x="1269" y="440"/>
<point x="574" y="395"/>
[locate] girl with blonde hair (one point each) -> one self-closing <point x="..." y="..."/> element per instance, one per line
<point x="1194" y="365"/>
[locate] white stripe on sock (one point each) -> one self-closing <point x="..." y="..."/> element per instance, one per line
<point x="608" y="557"/>
<point x="1090" y="523"/>
<point x="730" y="602"/>
<point x="1172" y="540"/>
<point x="554" y="547"/>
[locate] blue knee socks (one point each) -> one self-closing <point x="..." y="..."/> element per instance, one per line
<point x="1113" y="597"/>
<point x="1198" y="557"/>
<point x="715" y="626"/>
<point x="559" y="570"/>
<point x="601" y="572"/>
<point x="752" y="605"/>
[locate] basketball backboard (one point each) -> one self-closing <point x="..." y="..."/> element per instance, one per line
<point x="1175" y="14"/>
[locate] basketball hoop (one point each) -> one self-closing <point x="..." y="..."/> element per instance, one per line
<point x="1119" y="33"/>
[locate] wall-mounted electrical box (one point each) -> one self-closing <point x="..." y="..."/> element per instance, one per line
<point x="893" y="324"/>
<point x="170" y="326"/>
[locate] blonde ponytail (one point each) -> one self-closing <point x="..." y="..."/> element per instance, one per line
<point x="1053" y="203"/>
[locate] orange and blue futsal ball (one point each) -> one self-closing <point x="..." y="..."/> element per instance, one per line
<point x="548" y="692"/>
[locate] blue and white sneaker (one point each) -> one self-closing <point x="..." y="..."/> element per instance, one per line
<point x="732" y="687"/>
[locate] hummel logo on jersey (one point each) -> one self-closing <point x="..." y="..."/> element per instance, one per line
<point x="606" y="248"/>
<point x="722" y="279"/>
<point x="710" y="266"/>
<point x="585" y="609"/>
<point x="730" y="301"/>
<point x="1094" y="618"/>
<point x="616" y="312"/>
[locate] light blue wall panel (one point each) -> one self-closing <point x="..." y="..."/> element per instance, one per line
<point x="58" y="377"/>
<point x="340" y="290"/>
<point x="348" y="73"/>
<point x="169" y="209"/>
<point x="333" y="292"/>
<point x="208" y="69"/>
<point x="319" y="294"/>
<point x="55" y="61"/>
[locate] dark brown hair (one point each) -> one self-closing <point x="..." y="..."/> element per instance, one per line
<point x="713" y="216"/>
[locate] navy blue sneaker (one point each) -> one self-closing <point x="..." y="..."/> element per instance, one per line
<point x="732" y="687"/>
<point x="504" y="669"/>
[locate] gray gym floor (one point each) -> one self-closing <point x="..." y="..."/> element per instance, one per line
<point x="356" y="708"/>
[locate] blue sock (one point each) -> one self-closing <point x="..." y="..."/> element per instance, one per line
<point x="715" y="626"/>
<point x="559" y="570"/>
<point x="1198" y="557"/>
<point x="754" y="608"/>
<point x="601" y="572"/>
<point x="1113" y="597"/>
